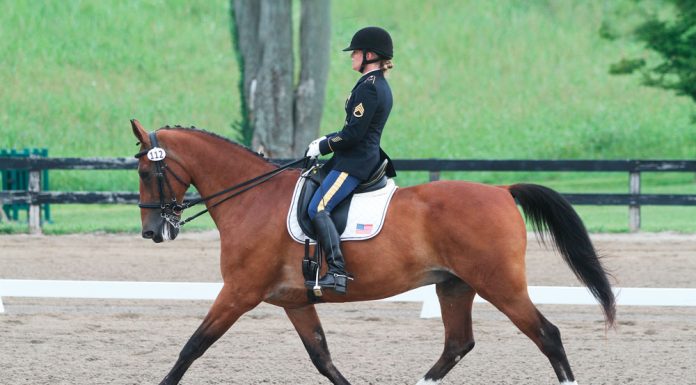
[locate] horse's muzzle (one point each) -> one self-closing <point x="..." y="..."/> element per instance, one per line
<point x="156" y="237"/>
<point x="163" y="232"/>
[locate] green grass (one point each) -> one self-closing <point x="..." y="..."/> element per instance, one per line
<point x="74" y="72"/>
<point x="510" y="79"/>
<point x="497" y="79"/>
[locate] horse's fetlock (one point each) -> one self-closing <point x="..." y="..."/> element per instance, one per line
<point x="468" y="346"/>
<point x="460" y="348"/>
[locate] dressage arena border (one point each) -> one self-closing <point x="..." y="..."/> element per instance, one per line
<point x="560" y="295"/>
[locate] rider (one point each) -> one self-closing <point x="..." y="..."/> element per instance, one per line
<point x="356" y="148"/>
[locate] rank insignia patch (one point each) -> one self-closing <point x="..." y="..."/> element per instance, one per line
<point x="359" y="111"/>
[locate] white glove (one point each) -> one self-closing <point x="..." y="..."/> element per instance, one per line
<point x="313" y="148"/>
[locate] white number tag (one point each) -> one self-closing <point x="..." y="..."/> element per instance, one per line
<point x="155" y="154"/>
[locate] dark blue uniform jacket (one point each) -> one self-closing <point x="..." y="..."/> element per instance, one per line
<point x="356" y="147"/>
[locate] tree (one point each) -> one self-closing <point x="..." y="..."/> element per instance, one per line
<point x="674" y="40"/>
<point x="279" y="117"/>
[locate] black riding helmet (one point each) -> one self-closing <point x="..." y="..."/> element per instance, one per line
<point x="373" y="39"/>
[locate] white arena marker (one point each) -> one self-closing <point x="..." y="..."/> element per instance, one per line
<point x="426" y="295"/>
<point x="558" y="295"/>
<point x="109" y="289"/>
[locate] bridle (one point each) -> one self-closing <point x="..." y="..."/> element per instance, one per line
<point x="171" y="210"/>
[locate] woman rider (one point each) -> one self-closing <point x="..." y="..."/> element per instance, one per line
<point x="356" y="149"/>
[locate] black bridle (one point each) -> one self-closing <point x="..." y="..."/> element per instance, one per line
<point x="171" y="210"/>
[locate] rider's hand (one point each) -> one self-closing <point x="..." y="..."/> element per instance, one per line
<point x="313" y="148"/>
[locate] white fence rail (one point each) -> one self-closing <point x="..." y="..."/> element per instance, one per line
<point x="629" y="296"/>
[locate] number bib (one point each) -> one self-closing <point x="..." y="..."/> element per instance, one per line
<point x="156" y="154"/>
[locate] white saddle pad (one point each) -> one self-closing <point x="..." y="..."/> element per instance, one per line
<point x="365" y="214"/>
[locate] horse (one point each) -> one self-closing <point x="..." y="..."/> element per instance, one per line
<point x="466" y="238"/>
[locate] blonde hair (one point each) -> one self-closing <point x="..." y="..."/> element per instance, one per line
<point x="386" y="65"/>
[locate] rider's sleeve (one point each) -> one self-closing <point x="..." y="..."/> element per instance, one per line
<point x="357" y="123"/>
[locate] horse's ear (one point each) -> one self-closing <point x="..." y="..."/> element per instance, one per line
<point x="139" y="131"/>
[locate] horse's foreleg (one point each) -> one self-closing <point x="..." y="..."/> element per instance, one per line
<point x="308" y="326"/>
<point x="456" y="299"/>
<point x="226" y="309"/>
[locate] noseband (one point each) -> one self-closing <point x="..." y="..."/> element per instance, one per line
<point x="171" y="210"/>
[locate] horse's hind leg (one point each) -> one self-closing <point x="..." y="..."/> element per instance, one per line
<point x="456" y="299"/>
<point x="522" y="312"/>
<point x="228" y="307"/>
<point x="308" y="326"/>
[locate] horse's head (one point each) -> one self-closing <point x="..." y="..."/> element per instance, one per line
<point x="163" y="183"/>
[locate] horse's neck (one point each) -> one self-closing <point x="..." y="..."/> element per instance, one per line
<point x="216" y="165"/>
<point x="250" y="217"/>
<point x="217" y="170"/>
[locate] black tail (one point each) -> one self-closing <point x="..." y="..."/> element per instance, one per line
<point x="549" y="212"/>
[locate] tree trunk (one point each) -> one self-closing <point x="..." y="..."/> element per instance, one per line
<point x="283" y="120"/>
<point x="315" y="30"/>
<point x="245" y="15"/>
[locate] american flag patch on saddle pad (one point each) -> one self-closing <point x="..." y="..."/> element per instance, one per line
<point x="364" y="228"/>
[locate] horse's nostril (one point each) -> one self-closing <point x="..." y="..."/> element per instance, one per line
<point x="148" y="234"/>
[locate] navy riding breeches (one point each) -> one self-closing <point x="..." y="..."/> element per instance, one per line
<point x="335" y="187"/>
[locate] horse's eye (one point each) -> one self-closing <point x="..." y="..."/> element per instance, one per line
<point x="144" y="175"/>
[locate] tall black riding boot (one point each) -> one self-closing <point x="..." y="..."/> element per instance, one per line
<point x="336" y="278"/>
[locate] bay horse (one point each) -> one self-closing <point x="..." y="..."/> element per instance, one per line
<point x="466" y="238"/>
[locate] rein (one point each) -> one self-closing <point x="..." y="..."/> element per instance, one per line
<point x="171" y="211"/>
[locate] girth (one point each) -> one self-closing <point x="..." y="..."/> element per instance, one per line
<point x="376" y="181"/>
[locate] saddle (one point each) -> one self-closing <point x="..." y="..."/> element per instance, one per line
<point x="377" y="180"/>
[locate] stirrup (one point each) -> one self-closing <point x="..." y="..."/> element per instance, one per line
<point x="340" y="284"/>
